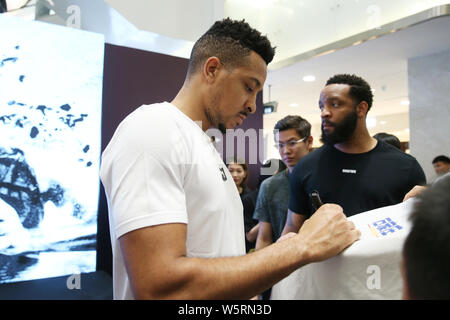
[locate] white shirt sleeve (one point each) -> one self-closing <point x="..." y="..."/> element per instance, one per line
<point x="143" y="175"/>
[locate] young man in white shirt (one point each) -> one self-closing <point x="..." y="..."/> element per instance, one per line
<point x="175" y="215"/>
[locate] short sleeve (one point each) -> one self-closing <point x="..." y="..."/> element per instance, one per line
<point x="417" y="176"/>
<point x="261" y="208"/>
<point x="298" y="200"/>
<point x="143" y="178"/>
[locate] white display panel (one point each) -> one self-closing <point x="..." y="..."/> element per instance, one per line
<point x="50" y="135"/>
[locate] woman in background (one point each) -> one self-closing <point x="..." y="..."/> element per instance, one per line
<point x="239" y="171"/>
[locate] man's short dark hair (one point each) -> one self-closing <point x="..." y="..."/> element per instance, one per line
<point x="426" y="251"/>
<point x="359" y="88"/>
<point x="441" y="158"/>
<point x="231" y="41"/>
<point x="300" y="125"/>
<point x="389" y="138"/>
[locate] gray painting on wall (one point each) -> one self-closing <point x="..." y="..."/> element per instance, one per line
<point x="50" y="125"/>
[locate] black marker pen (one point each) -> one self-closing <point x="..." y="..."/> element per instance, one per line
<point x="315" y="200"/>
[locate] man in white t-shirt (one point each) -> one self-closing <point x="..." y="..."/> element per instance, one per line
<point x="176" y="219"/>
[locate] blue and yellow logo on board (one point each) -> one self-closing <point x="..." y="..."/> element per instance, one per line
<point x="384" y="227"/>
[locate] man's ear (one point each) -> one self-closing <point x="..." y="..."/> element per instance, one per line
<point x="361" y="109"/>
<point x="310" y="142"/>
<point x="211" y="69"/>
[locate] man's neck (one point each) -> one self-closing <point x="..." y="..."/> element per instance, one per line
<point x="190" y="104"/>
<point x="360" y="142"/>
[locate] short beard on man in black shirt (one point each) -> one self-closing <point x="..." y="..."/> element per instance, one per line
<point x="342" y="131"/>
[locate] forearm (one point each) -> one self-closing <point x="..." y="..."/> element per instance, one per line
<point x="294" y="222"/>
<point x="234" y="277"/>
<point x="264" y="239"/>
<point x="158" y="268"/>
<point x="288" y="228"/>
<point x="252" y="234"/>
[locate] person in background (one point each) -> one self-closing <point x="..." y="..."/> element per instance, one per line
<point x="440" y="162"/>
<point x="268" y="169"/>
<point x="426" y="251"/>
<point x="352" y="169"/>
<point x="293" y="140"/>
<point x="441" y="165"/>
<point x="239" y="172"/>
<point x="389" y="138"/>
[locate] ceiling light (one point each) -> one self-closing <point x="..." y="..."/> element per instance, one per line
<point x="309" y="78"/>
<point x="293" y="105"/>
<point x="405" y="103"/>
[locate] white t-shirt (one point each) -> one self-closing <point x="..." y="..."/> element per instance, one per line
<point x="368" y="269"/>
<point x="160" y="167"/>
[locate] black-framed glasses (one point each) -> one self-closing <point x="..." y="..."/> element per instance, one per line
<point x="289" y="144"/>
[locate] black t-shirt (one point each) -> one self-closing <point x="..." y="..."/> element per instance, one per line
<point x="356" y="182"/>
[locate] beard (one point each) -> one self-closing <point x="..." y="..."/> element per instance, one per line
<point x="342" y="131"/>
<point x="215" y="122"/>
<point x="222" y="128"/>
<point x="213" y="115"/>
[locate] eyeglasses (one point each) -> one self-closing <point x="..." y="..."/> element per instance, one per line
<point x="289" y="144"/>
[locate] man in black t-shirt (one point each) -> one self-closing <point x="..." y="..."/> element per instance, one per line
<point x="351" y="169"/>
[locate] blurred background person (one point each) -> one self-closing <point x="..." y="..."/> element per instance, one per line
<point x="293" y="140"/>
<point x="239" y="171"/>
<point x="389" y="138"/>
<point x="268" y="169"/>
<point x="426" y="251"/>
<point x="441" y="165"/>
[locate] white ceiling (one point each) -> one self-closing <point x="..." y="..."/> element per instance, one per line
<point x="298" y="26"/>
<point x="382" y="62"/>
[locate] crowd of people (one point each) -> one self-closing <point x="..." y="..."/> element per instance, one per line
<point x="180" y="215"/>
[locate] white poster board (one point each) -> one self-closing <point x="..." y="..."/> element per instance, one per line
<point x="369" y="269"/>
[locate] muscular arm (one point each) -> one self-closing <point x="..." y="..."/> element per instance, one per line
<point x="157" y="266"/>
<point x="264" y="235"/>
<point x="294" y="222"/>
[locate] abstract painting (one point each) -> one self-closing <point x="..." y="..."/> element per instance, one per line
<point x="50" y="135"/>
